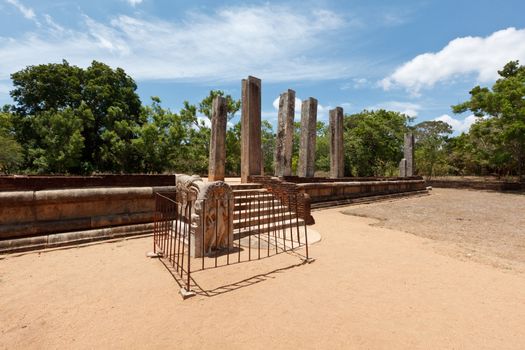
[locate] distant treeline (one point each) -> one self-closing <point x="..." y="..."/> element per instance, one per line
<point x="69" y="120"/>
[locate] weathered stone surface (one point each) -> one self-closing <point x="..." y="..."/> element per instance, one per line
<point x="251" y="152"/>
<point x="409" y="154"/>
<point x="213" y="208"/>
<point x="212" y="216"/>
<point x="336" y="143"/>
<point x="403" y="168"/>
<point x="333" y="191"/>
<point x="217" y="158"/>
<point x="284" y="137"/>
<point x="306" y="166"/>
<point x="28" y="213"/>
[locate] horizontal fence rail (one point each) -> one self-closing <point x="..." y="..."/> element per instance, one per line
<point x="193" y="235"/>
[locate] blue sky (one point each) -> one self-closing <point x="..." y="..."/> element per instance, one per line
<point x="416" y="57"/>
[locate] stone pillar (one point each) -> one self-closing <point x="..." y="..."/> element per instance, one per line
<point x="306" y="166"/>
<point x="336" y="143"/>
<point x="403" y="168"/>
<point x="409" y="154"/>
<point x="251" y="151"/>
<point x="284" y="137"/>
<point x="217" y="158"/>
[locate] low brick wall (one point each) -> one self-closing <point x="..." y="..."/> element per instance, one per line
<point x="44" y="212"/>
<point x="297" y="179"/>
<point x="37" y="182"/>
<point x="478" y="185"/>
<point x="336" y="191"/>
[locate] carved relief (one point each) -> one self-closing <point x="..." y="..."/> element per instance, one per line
<point x="214" y="209"/>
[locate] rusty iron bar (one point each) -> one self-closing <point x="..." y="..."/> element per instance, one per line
<point x="289" y="223"/>
<point x="267" y="209"/>
<point x="248" y="215"/>
<point x="228" y="234"/>
<point x="256" y="213"/>
<point x="259" y="227"/>
<point x="274" y="226"/>
<point x="188" y="224"/>
<point x="216" y="229"/>
<point x="203" y="229"/>
<point x="297" y="222"/>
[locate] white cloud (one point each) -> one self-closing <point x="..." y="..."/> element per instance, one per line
<point x="205" y="120"/>
<point x="482" y="56"/>
<point x="356" y="83"/>
<point x="134" y="2"/>
<point x="393" y="19"/>
<point x="52" y="25"/>
<point x="274" y="43"/>
<point x="408" y="108"/>
<point x="27" y="12"/>
<point x="457" y="124"/>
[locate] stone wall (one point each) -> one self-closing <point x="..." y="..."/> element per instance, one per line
<point x="45" y="212"/>
<point x="337" y="191"/>
<point x="36" y="183"/>
<point x="297" y="179"/>
<point x="478" y="185"/>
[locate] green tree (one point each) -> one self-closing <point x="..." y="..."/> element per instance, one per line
<point x="268" y="146"/>
<point x="374" y="142"/>
<point x="502" y="133"/>
<point x="108" y="93"/>
<point x="159" y="140"/>
<point x="430" y="137"/>
<point x="233" y="106"/>
<point x="11" y="153"/>
<point x="60" y="141"/>
<point x="233" y="150"/>
<point x="322" y="148"/>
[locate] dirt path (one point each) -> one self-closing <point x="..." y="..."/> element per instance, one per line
<point x="487" y="227"/>
<point x="370" y="288"/>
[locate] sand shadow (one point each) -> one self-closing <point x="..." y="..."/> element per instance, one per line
<point x="230" y="287"/>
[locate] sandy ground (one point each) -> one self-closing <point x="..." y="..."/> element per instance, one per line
<point x="369" y="288"/>
<point x="487" y="227"/>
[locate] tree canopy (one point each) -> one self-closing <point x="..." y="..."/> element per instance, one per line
<point x="498" y="137"/>
<point x="374" y="142"/>
<point x="70" y="120"/>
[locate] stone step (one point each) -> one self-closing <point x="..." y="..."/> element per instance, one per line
<point x="257" y="220"/>
<point x="255" y="211"/>
<point x="247" y="186"/>
<point x="249" y="205"/>
<point x="250" y="191"/>
<point x="254" y="199"/>
<point x="270" y="227"/>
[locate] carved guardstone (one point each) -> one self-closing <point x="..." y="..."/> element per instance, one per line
<point x="212" y="215"/>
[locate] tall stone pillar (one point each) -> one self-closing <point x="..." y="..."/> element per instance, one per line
<point x="251" y="151"/>
<point x="284" y="138"/>
<point x="409" y="154"/>
<point x="306" y="166"/>
<point x="336" y="143"/>
<point x="217" y="158"/>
